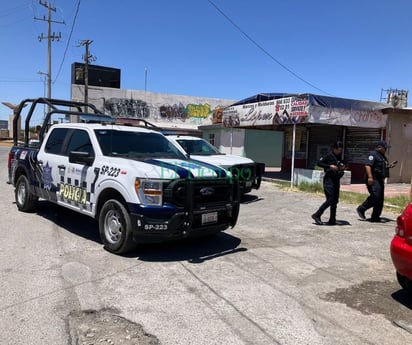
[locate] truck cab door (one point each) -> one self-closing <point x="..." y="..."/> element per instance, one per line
<point x="77" y="183"/>
<point x="67" y="172"/>
<point x="50" y="159"/>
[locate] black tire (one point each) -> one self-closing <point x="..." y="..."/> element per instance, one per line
<point x="115" y="227"/>
<point x="405" y="282"/>
<point x="25" y="201"/>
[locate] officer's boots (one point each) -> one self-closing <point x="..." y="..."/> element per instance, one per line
<point x="316" y="218"/>
<point x="332" y="218"/>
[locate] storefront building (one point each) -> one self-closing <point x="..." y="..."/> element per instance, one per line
<point x="311" y="123"/>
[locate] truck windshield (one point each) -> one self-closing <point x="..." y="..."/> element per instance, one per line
<point x="140" y="145"/>
<point x="198" y="147"/>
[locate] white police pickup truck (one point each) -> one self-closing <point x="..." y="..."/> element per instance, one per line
<point x="248" y="172"/>
<point x="132" y="180"/>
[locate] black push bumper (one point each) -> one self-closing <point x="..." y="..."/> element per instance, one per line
<point x="202" y="208"/>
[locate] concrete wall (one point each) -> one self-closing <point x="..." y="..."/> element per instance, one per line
<point x="232" y="141"/>
<point x="316" y="176"/>
<point x="227" y="140"/>
<point x="164" y="110"/>
<point x="4" y="134"/>
<point x="399" y="136"/>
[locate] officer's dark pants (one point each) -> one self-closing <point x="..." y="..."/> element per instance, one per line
<point x="331" y="189"/>
<point x="375" y="198"/>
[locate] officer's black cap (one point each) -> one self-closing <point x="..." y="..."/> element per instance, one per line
<point x="383" y="144"/>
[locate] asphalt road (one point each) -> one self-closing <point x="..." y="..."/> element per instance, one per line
<point x="276" y="278"/>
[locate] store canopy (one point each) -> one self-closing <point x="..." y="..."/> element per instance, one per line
<point x="280" y="108"/>
<point x="260" y="97"/>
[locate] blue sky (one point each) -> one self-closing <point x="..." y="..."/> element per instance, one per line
<point x="229" y="49"/>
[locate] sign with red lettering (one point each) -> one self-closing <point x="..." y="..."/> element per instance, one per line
<point x="286" y="110"/>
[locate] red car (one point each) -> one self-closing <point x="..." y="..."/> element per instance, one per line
<point x="401" y="248"/>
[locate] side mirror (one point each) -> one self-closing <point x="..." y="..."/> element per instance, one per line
<point x="81" y="157"/>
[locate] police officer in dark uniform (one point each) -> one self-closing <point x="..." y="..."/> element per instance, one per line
<point x="376" y="170"/>
<point x="334" y="169"/>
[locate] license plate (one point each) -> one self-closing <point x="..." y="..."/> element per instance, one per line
<point x="208" y="218"/>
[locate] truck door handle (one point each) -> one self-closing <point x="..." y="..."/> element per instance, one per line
<point x="61" y="166"/>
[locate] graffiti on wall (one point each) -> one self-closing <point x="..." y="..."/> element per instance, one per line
<point x="173" y="113"/>
<point x="217" y="116"/>
<point x="194" y="114"/>
<point x="120" y="107"/>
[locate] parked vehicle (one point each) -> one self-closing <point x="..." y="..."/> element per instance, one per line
<point x="249" y="172"/>
<point x="401" y="249"/>
<point x="132" y="180"/>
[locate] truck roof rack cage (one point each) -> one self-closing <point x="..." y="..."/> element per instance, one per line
<point x="135" y="122"/>
<point x="54" y="106"/>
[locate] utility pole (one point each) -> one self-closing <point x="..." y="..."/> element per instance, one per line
<point x="50" y="37"/>
<point x="88" y="58"/>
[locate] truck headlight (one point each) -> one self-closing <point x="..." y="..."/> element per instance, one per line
<point x="150" y="191"/>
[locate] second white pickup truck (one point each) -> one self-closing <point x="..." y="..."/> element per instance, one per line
<point x="249" y="172"/>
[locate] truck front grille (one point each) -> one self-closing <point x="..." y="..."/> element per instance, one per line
<point x="201" y="192"/>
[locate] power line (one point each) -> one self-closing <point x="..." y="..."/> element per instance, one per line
<point x="19" y="81"/>
<point x="68" y="41"/>
<point x="263" y="49"/>
<point x="7" y="12"/>
<point x="9" y="15"/>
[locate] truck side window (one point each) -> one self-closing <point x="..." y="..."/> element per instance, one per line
<point x="55" y="141"/>
<point x="80" y="141"/>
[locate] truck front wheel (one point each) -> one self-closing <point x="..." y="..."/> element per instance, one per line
<point x="25" y="201"/>
<point x="115" y="227"/>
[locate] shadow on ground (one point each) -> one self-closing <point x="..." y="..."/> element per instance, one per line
<point x="191" y="250"/>
<point x="196" y="250"/>
<point x="72" y="221"/>
<point x="249" y="198"/>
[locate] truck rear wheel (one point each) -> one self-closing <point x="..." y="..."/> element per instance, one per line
<point x="115" y="227"/>
<point x="25" y="201"/>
